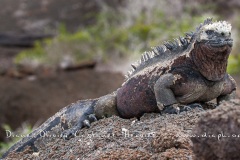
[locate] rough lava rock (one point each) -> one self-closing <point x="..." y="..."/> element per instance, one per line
<point x="218" y="133"/>
<point x="154" y="136"/>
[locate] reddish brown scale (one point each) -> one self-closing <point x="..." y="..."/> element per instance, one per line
<point x="211" y="62"/>
<point x="135" y="98"/>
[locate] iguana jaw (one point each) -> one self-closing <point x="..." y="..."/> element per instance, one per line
<point x="211" y="61"/>
<point x="220" y="42"/>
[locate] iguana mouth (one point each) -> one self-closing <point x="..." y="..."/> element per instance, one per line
<point x="220" y="42"/>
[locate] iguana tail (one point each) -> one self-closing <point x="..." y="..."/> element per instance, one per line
<point x="70" y="119"/>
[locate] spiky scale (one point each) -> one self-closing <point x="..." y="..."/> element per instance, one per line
<point x="155" y="53"/>
<point x="133" y="66"/>
<point x="129" y="73"/>
<point x="168" y="45"/>
<point x="145" y="56"/>
<point x="86" y="123"/>
<point x="152" y="54"/>
<point x="176" y="42"/>
<point x="182" y="40"/>
<point x="189" y="34"/>
<point x="207" y="21"/>
<point x="160" y="49"/>
<point x="172" y="43"/>
<point x="199" y="27"/>
<point x="148" y="56"/>
<point x="142" y="58"/>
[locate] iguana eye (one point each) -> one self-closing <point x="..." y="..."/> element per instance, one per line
<point x="209" y="32"/>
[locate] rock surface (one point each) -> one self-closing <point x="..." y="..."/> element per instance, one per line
<point x="154" y="136"/>
<point x="219" y="133"/>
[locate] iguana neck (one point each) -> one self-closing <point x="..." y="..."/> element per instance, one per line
<point x="211" y="62"/>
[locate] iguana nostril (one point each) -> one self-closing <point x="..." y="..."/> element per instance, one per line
<point x="223" y="34"/>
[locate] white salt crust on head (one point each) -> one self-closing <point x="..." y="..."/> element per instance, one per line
<point x="220" y="27"/>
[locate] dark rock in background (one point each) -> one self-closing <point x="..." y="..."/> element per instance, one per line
<point x="46" y="15"/>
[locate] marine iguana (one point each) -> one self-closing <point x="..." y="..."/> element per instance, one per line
<point x="188" y="71"/>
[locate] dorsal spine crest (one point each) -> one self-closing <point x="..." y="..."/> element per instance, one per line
<point x="167" y="49"/>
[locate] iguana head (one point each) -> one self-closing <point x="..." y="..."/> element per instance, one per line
<point x="212" y="46"/>
<point x="217" y="34"/>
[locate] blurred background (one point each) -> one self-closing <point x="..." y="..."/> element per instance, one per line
<point x="55" y="52"/>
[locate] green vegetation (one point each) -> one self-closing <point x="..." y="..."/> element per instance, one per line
<point x="15" y="136"/>
<point x="109" y="37"/>
<point x="116" y="35"/>
<point x="34" y="56"/>
<point x="234" y="64"/>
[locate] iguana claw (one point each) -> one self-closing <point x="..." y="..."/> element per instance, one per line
<point x="69" y="133"/>
<point x="86" y="123"/>
<point x="92" y="118"/>
<point x="191" y="106"/>
<point x="172" y="109"/>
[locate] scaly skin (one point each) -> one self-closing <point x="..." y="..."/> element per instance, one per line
<point x="187" y="71"/>
<point x="181" y="83"/>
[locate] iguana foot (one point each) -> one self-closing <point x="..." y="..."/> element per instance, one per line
<point x="191" y="106"/>
<point x="69" y="133"/>
<point x="172" y="109"/>
<point x="92" y="117"/>
<point x="72" y="132"/>
<point x="87" y="122"/>
<point x="176" y="108"/>
<point x="209" y="105"/>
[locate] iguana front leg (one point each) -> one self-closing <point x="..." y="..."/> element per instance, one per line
<point x="166" y="99"/>
<point x="163" y="93"/>
<point x="229" y="90"/>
